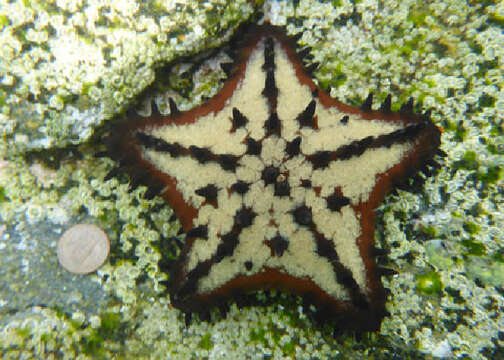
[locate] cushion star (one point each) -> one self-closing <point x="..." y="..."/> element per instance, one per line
<point x="275" y="184"/>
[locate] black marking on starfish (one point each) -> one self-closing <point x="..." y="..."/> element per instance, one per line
<point x="227" y="68"/>
<point x="201" y="154"/>
<point x="154" y="108"/>
<point x="303" y="216"/>
<point x="336" y="202"/>
<point x="386" y="105"/>
<point x="151" y="142"/>
<point x="312" y="67"/>
<point x="253" y="146"/>
<point x="407" y="108"/>
<point x="320" y="159"/>
<point x="227" y="245"/>
<point x="270" y="175"/>
<point x="228" y="162"/>
<point x="305" y="53"/>
<point x="275" y="184"/>
<point x="343" y="275"/>
<point x="282" y="188"/>
<point x="244" y="218"/>
<point x="356" y="148"/>
<point x="209" y="192"/>
<point x="293" y="147"/>
<point x="191" y="283"/>
<point x="173" y="107"/>
<point x="241" y="187"/>
<point x="270" y="89"/>
<point x="269" y="57"/>
<point x="306" y="183"/>
<point x="199" y="232"/>
<point x="239" y="120"/>
<point x="306" y="117"/>
<point x="272" y="125"/>
<point x="136" y="180"/>
<point x="278" y="245"/>
<point x="368" y="103"/>
<point x="146" y="140"/>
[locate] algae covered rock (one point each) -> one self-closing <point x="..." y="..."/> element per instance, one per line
<point x="67" y="66"/>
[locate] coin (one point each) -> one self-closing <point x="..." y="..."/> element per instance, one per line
<point x="83" y="248"/>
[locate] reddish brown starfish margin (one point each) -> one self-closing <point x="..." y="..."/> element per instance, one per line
<point x="275" y="184"/>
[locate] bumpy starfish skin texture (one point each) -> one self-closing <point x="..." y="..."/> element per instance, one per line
<point x="275" y="183"/>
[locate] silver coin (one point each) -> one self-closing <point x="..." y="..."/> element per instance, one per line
<point x="83" y="248"/>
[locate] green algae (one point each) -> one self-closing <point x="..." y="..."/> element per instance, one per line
<point x="258" y="336"/>
<point x="4" y="21"/>
<point x="486" y="271"/>
<point x="24" y="332"/>
<point x="460" y="132"/>
<point x="474" y="247"/>
<point x="471" y="227"/>
<point x="3" y="197"/>
<point x="491" y="175"/>
<point x="438" y="257"/>
<point x="206" y="342"/>
<point x="429" y="283"/>
<point x="469" y="161"/>
<point x="430" y="231"/>
<point x="110" y="329"/>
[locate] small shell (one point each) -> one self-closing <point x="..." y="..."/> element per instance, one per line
<point x="83" y="248"/>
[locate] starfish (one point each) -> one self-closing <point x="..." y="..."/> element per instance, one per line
<point x="275" y="184"/>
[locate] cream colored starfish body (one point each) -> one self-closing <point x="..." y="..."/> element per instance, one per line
<point x="275" y="183"/>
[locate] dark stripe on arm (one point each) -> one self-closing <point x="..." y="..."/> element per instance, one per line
<point x="321" y="159"/>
